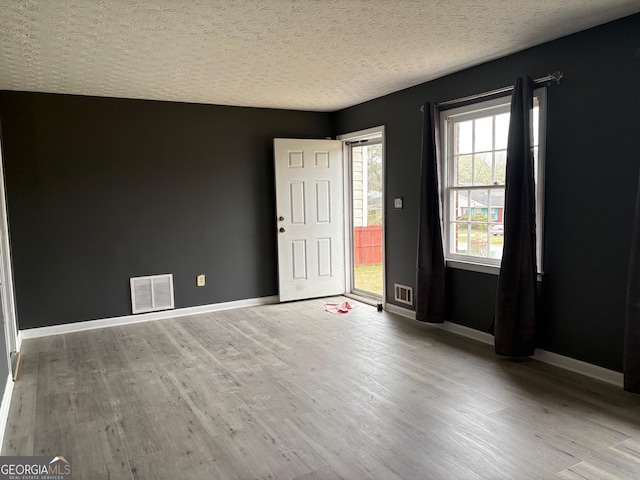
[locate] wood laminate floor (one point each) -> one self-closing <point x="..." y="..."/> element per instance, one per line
<point x="292" y="392"/>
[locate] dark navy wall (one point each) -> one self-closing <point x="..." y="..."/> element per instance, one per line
<point x="591" y="175"/>
<point x="101" y="190"/>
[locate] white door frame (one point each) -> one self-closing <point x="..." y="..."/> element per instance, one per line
<point x="373" y="132"/>
<point x="6" y="271"/>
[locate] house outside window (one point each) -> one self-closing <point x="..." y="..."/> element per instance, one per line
<point x="474" y="174"/>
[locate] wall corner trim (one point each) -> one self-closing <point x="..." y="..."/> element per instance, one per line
<point x="4" y="407"/>
<point x="593" y="371"/>
<point x="143" y="317"/>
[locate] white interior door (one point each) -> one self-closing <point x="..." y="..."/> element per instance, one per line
<point x="310" y="218"/>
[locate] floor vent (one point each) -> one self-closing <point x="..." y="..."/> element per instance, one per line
<point x="404" y="294"/>
<point x="149" y="294"/>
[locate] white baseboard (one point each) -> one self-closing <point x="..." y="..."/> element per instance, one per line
<point x="143" y="317"/>
<point x="4" y="407"/>
<point x="578" y="366"/>
<point x="403" y="312"/>
<point x="567" y="363"/>
<point x="468" y="332"/>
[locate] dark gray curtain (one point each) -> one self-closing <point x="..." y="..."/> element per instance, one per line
<point x="515" y="318"/>
<point x="631" y="366"/>
<point x="431" y="267"/>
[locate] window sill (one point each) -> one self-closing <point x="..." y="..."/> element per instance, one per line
<point x="480" y="268"/>
<point x="474" y="267"/>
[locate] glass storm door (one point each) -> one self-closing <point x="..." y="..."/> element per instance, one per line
<point x="367" y="217"/>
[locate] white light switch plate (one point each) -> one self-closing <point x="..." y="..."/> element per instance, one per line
<point x="397" y="202"/>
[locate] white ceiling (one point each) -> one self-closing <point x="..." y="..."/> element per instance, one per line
<point x="297" y="54"/>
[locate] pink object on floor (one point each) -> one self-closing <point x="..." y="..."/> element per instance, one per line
<point x="343" y="307"/>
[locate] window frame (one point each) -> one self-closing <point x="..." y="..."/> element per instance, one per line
<point x="474" y="111"/>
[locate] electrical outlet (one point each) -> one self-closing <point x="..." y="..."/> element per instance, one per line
<point x="200" y="280"/>
<point x="397" y="202"/>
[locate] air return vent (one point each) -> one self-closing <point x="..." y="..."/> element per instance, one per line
<point x="404" y="294"/>
<point x="149" y="294"/>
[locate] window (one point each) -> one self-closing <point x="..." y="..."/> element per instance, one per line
<point x="474" y="173"/>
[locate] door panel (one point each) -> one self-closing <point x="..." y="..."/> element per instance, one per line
<point x="299" y="258"/>
<point x="296" y="190"/>
<point x="309" y="205"/>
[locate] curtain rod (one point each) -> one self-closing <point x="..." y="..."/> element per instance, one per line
<point x="552" y="77"/>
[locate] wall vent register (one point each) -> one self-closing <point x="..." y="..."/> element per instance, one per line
<point x="403" y="294"/>
<point x="152" y="293"/>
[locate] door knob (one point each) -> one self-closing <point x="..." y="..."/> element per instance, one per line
<point x="282" y="230"/>
<point x="280" y="218"/>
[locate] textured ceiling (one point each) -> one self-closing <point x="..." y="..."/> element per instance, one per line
<point x="297" y="54"/>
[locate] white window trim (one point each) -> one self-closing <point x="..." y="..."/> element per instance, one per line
<point x="479" y="264"/>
